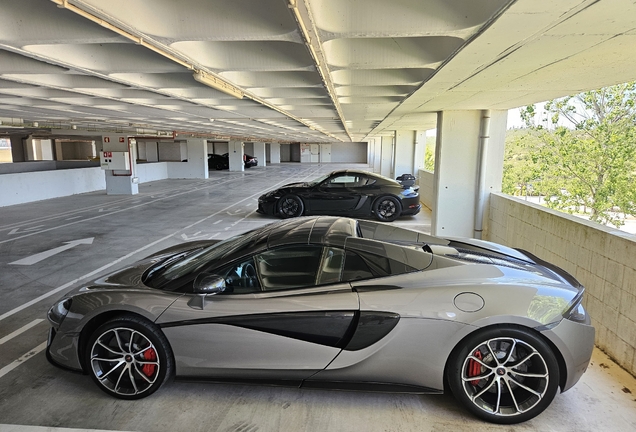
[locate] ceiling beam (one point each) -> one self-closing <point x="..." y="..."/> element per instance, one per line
<point x="309" y="32"/>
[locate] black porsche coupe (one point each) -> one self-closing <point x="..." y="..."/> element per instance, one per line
<point x="353" y="193"/>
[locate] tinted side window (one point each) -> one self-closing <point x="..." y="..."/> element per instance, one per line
<point x="364" y="265"/>
<point x="330" y="266"/>
<point x="355" y="268"/>
<point x="240" y="277"/>
<point x="289" y="267"/>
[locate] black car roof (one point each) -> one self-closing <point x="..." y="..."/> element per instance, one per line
<point x="325" y="230"/>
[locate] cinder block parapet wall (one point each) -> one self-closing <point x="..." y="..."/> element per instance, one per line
<point x="601" y="258"/>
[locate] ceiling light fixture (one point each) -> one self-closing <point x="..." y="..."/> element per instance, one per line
<point x="217" y="84"/>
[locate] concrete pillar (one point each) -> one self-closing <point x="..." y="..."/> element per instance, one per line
<point x="197" y="155"/>
<point x="420" y="151"/>
<point x="458" y="162"/>
<point x="235" y="153"/>
<point x="17" y="147"/>
<point x="121" y="182"/>
<point x="274" y="153"/>
<point x="259" y="153"/>
<point x="377" y="155"/>
<point x="386" y="159"/>
<point x="403" y="153"/>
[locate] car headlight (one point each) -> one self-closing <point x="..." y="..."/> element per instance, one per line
<point x="58" y="311"/>
<point x="577" y="312"/>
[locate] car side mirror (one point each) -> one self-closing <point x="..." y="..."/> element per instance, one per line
<point x="208" y="284"/>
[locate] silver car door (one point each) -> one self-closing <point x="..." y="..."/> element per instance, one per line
<point x="281" y="334"/>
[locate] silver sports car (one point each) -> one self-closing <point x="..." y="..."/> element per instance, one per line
<point x="328" y="302"/>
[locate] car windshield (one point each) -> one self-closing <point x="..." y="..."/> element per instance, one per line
<point x="196" y="261"/>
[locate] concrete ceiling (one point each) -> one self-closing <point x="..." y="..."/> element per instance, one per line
<point x="308" y="70"/>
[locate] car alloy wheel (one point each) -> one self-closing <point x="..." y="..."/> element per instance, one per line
<point x="387" y="209"/>
<point x="128" y="358"/>
<point x="290" y="206"/>
<point x="505" y="378"/>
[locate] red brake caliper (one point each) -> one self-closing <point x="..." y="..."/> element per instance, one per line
<point x="149" y="369"/>
<point x="474" y="367"/>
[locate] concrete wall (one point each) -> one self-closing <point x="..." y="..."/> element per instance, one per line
<point x="349" y="152"/>
<point x="32" y="166"/>
<point x="427" y="190"/>
<point x="147" y="172"/>
<point x="172" y="151"/>
<point x="20" y="188"/>
<point x="601" y="258"/>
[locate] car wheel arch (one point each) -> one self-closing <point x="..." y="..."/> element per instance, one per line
<point x="474" y="330"/>
<point x="94" y="323"/>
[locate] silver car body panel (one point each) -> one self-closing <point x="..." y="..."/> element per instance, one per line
<point x="206" y="344"/>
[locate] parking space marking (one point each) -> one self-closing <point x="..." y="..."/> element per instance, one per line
<point x="21" y="330"/>
<point x="15" y="231"/>
<point x="8" y="368"/>
<point x="219" y="221"/>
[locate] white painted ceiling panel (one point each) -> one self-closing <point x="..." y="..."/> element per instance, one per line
<point x="308" y="70"/>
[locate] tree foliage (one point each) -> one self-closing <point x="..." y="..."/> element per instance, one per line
<point x="584" y="156"/>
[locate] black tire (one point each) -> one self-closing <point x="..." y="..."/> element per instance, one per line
<point x="513" y="381"/>
<point x="290" y="206"/>
<point x="387" y="208"/>
<point x="134" y="372"/>
<point x="219" y="166"/>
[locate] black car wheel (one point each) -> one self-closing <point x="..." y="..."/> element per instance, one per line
<point x="504" y="375"/>
<point x="129" y="358"/>
<point x="387" y="208"/>
<point x="219" y="166"/>
<point x="290" y="206"/>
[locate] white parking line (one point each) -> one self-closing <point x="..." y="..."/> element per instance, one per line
<point x="21" y="330"/>
<point x="219" y="221"/>
<point x="8" y="368"/>
<point x="24" y="428"/>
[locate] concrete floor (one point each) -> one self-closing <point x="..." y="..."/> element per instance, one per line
<point x="35" y="396"/>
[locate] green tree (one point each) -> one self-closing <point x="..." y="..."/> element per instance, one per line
<point x="429" y="154"/>
<point x="520" y="172"/>
<point x="586" y="156"/>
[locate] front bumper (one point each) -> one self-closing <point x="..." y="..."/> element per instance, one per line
<point x="65" y="363"/>
<point x="575" y="341"/>
<point x="266" y="207"/>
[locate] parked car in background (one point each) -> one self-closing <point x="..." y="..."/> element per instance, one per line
<point x="218" y="162"/>
<point x="250" y="161"/>
<point x="353" y="193"/>
<point x="332" y="302"/>
<point x="221" y="162"/>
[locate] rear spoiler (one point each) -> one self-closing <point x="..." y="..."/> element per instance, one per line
<point x="407" y="181"/>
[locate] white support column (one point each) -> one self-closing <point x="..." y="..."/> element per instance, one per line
<point x="420" y="151"/>
<point x="235" y="153"/>
<point x="121" y="182"/>
<point x="197" y="158"/>
<point x="404" y="153"/>
<point x="259" y="153"/>
<point x="457" y="166"/>
<point x="377" y="155"/>
<point x="274" y="153"/>
<point x="386" y="159"/>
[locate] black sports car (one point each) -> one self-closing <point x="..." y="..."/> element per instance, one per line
<point x="346" y="192"/>
<point x="220" y="162"/>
